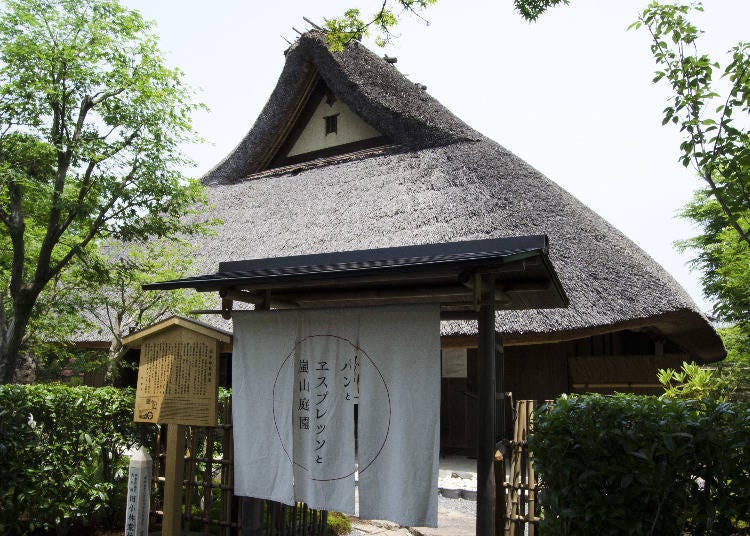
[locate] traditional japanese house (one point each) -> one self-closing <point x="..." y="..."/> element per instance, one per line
<point x="349" y="154"/>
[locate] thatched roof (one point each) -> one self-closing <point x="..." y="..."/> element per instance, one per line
<point x="439" y="181"/>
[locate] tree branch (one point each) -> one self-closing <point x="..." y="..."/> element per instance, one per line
<point x="87" y="183"/>
<point x="96" y="224"/>
<point x="53" y="233"/>
<point x="703" y="166"/>
<point x="100" y="97"/>
<point x="86" y="104"/>
<point x="3" y="317"/>
<point x="16" y="227"/>
<point x="729" y="213"/>
<point x="724" y="117"/>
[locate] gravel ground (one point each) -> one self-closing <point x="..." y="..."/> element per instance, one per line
<point x="457" y="505"/>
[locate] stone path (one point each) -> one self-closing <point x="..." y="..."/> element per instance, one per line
<point x="451" y="522"/>
<point x="381" y="528"/>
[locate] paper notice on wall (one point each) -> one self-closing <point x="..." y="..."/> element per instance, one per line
<point x="295" y="378"/>
<point x="454" y="363"/>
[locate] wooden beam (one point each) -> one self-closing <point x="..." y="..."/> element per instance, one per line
<point x="459" y="341"/>
<point x="226" y="308"/>
<point x="486" y="489"/>
<point x="459" y="315"/>
<point x="252" y="516"/>
<point x="454" y="292"/>
<point x="353" y="282"/>
<point x="468" y="341"/>
<point x="281" y="133"/>
<point x="444" y="316"/>
<point x="500" y="386"/>
<point x="311" y="23"/>
<point x="622" y="385"/>
<point x="256" y="298"/>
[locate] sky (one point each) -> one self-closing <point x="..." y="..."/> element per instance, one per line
<point x="571" y="94"/>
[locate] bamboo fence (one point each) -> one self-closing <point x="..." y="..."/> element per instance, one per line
<point x="518" y="493"/>
<point x="209" y="504"/>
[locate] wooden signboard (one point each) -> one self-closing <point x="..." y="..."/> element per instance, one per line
<point x="177" y="379"/>
<point x="177" y="375"/>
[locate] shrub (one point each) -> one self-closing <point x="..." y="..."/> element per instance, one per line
<point x="61" y="456"/>
<point x="694" y="382"/>
<point x="635" y="465"/>
<point x="339" y="524"/>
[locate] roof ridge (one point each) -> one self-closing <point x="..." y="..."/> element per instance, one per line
<point x="373" y="88"/>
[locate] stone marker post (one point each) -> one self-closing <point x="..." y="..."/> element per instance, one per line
<point x="139" y="494"/>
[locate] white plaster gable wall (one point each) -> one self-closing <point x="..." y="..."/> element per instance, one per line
<point x="351" y="128"/>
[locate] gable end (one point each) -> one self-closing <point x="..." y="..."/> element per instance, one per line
<point x="324" y="126"/>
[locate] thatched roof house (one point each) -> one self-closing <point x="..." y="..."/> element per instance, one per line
<point x="429" y="177"/>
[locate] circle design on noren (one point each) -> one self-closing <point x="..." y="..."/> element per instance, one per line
<point x="358" y="350"/>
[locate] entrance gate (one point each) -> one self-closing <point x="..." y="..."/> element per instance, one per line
<point x="469" y="280"/>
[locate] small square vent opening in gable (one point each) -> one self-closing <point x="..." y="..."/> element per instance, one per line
<point x="332" y="122"/>
<point x="324" y="126"/>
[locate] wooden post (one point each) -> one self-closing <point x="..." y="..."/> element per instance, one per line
<point x="531" y="478"/>
<point x="500" y="499"/>
<point x="487" y="401"/>
<point x="173" y="476"/>
<point x="252" y="516"/>
<point x="500" y="378"/>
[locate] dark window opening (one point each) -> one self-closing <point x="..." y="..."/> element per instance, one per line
<point x="331" y="124"/>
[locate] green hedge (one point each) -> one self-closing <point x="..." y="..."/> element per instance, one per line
<point x="636" y="465"/>
<point x="61" y="462"/>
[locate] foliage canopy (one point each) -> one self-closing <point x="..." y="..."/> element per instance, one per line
<point x="91" y="121"/>
<point x="715" y="143"/>
<point x="352" y="26"/>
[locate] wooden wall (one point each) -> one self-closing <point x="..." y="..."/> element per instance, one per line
<point x="458" y="408"/>
<point x="624" y="361"/>
<point x="537" y="372"/>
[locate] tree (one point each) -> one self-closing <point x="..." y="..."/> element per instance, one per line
<point x="55" y="316"/>
<point x="724" y="262"/>
<point x="713" y="143"/>
<point x="352" y="26"/>
<point x="91" y="121"/>
<point x="121" y="306"/>
<point x="721" y="256"/>
<point x="716" y="144"/>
